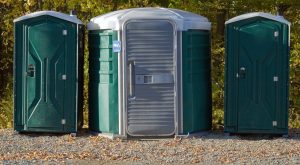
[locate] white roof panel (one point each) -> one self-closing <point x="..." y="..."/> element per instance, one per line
<point x="184" y="20"/>
<point x="258" y="14"/>
<point x="59" y="15"/>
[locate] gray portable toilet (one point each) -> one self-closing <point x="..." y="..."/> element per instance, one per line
<point x="48" y="72"/>
<point x="149" y="72"/>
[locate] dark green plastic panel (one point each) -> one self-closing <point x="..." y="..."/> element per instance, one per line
<point x="196" y="81"/>
<point x="42" y="56"/>
<point x="103" y="84"/>
<point x="255" y="102"/>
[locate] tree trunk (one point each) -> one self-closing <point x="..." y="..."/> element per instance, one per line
<point x="282" y="8"/>
<point x="40" y="4"/>
<point x="115" y="5"/>
<point x="1" y="71"/>
<point x="221" y="17"/>
<point x="50" y="5"/>
<point x="66" y="6"/>
<point x="163" y="3"/>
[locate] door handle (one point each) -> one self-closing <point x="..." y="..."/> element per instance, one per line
<point x="242" y="72"/>
<point x="31" y="70"/>
<point x="131" y="80"/>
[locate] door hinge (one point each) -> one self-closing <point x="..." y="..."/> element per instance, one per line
<point x="64" y="77"/>
<point x="275" y="78"/>
<point x="65" y="32"/>
<point x="276" y="33"/>
<point x="274" y="123"/>
<point x="63" y="121"/>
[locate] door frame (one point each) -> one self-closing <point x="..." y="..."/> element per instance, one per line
<point x="123" y="91"/>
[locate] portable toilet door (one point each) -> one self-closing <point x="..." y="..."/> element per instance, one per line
<point x="257" y="74"/>
<point x="48" y="72"/>
<point x="150" y="54"/>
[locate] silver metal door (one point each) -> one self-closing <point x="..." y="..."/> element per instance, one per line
<point x="151" y="78"/>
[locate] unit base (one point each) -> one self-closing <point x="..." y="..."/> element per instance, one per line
<point x="46" y="132"/>
<point x="227" y="134"/>
<point x="196" y="134"/>
<point x="275" y="132"/>
<point x="41" y="130"/>
<point x="111" y="136"/>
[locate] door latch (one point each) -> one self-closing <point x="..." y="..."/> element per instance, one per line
<point x="64" y="77"/>
<point x="241" y="73"/>
<point x="31" y="70"/>
<point x="65" y="32"/>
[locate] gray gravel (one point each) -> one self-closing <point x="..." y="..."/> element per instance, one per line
<point x="213" y="148"/>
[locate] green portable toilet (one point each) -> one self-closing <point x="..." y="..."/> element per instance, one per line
<point x="257" y="74"/>
<point x="149" y="72"/>
<point x="48" y="72"/>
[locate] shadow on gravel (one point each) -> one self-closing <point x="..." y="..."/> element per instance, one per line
<point x="84" y="132"/>
<point x="215" y="134"/>
<point x="219" y="134"/>
<point x="293" y="134"/>
<point x="112" y="162"/>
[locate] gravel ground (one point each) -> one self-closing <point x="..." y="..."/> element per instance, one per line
<point x="212" y="148"/>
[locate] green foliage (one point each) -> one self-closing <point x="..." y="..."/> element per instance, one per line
<point x="217" y="11"/>
<point x="217" y="59"/>
<point x="6" y="107"/>
<point x="294" y="115"/>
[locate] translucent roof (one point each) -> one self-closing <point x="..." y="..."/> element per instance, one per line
<point x="59" y="15"/>
<point x="184" y="20"/>
<point x="258" y="14"/>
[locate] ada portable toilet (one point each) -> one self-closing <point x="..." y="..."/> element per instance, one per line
<point x="257" y="74"/>
<point x="149" y="72"/>
<point x="48" y="71"/>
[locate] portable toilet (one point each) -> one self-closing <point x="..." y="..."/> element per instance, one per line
<point x="48" y="72"/>
<point x="257" y="74"/>
<point x="149" y="72"/>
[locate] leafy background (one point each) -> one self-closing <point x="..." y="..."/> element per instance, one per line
<point x="217" y="11"/>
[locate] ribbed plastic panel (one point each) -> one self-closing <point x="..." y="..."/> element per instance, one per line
<point x="150" y="45"/>
<point x="103" y="83"/>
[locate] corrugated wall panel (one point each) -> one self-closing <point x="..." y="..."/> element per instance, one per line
<point x="103" y="84"/>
